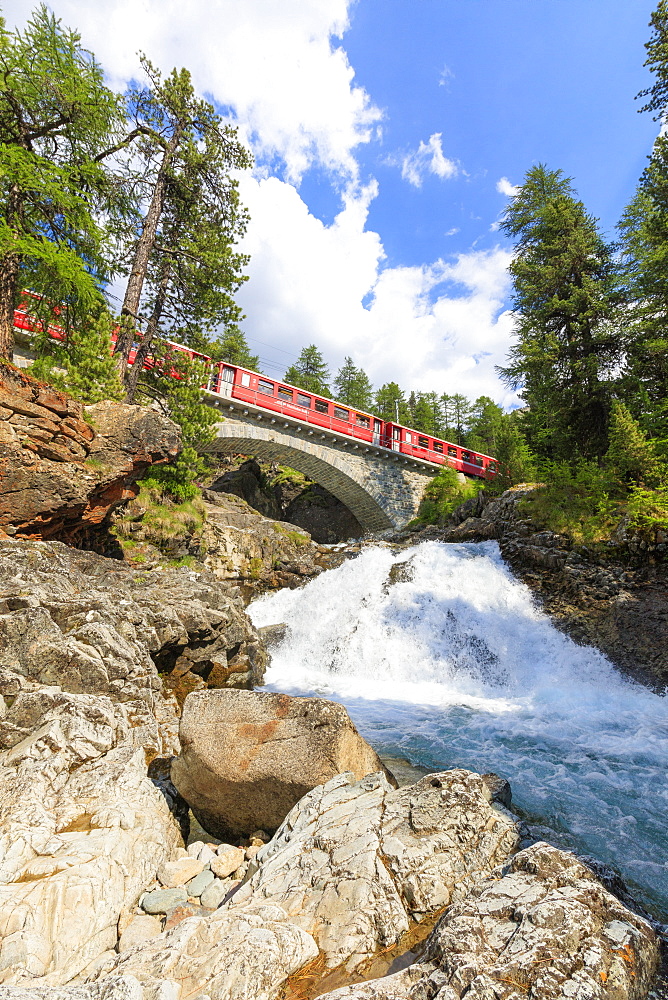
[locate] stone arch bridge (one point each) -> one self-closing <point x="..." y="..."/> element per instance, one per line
<point x="380" y="487"/>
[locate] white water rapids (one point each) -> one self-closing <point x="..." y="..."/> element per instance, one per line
<point x="453" y="665"/>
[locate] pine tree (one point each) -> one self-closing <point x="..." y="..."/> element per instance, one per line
<point x="630" y="454"/>
<point x="233" y="347"/>
<point x="353" y="387"/>
<point x="486" y="420"/>
<point x="82" y="365"/>
<point x="310" y="372"/>
<point x="565" y="297"/>
<point x="57" y="119"/>
<point x="390" y="404"/>
<point x="515" y="462"/>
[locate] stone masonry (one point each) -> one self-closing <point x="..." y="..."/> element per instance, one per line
<point x="380" y="487"/>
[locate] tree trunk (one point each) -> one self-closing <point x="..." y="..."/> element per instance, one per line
<point x="9" y="279"/>
<point x="145" y="244"/>
<point x="132" y="375"/>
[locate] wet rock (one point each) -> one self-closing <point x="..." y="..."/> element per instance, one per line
<point x="354" y="863"/>
<point x="163" y="900"/>
<point x="248" y="757"/>
<point x="273" y="635"/>
<point x="140" y="929"/>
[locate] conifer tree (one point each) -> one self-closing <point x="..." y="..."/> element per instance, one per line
<point x="390" y="404"/>
<point x="565" y="297"/>
<point x="353" y="387"/>
<point x="630" y="454"/>
<point x="233" y="347"/>
<point x="310" y="372"/>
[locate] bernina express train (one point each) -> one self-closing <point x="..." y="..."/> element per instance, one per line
<point x="232" y="382"/>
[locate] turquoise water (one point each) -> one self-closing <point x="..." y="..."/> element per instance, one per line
<point x="448" y="662"/>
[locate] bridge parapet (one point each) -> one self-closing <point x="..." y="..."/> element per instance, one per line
<point x="382" y="488"/>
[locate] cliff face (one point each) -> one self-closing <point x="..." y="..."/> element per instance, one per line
<point x="63" y="472"/>
<point x="616" y="600"/>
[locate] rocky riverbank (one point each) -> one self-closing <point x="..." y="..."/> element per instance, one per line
<point x="614" y="597"/>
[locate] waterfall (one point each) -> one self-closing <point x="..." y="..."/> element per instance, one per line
<point x="441" y="655"/>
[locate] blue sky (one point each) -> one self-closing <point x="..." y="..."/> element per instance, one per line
<point x="388" y="135"/>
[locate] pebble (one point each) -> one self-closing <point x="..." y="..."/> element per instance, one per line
<point x="140" y="929"/>
<point x="179" y="913"/>
<point x="163" y="900"/>
<point x="215" y="893"/>
<point x="252" y="851"/>
<point x="197" y="885"/>
<point x="175" y="873"/>
<point x="227" y="860"/>
<point x="202" y="852"/>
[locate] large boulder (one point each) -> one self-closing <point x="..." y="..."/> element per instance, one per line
<point x="357" y="864"/>
<point x="247" y="757"/>
<point x="541" y="927"/>
<point x="62" y="470"/>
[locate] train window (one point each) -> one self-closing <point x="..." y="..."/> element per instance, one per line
<point x="438" y="447"/>
<point x="466" y="456"/>
<point x="396" y="433"/>
<point x="245" y="379"/>
<point x="228" y="374"/>
<point x="266" y="387"/>
<point x="423" y="442"/>
<point x="477" y="460"/>
<point x="408" y="437"/>
<point x="452" y="452"/>
<point x="303" y="400"/>
<point x="285" y="394"/>
<point x="321" y="406"/>
<point x="341" y="414"/>
<point x="361" y="421"/>
<point x="491" y="467"/>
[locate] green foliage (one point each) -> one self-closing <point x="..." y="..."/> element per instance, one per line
<point x="353" y="386"/>
<point x="56" y="120"/>
<point x="565" y="295"/>
<point x="390" y="402"/>
<point x="647" y="510"/>
<point x="310" y="372"/>
<point x="296" y="537"/>
<point x="82" y="366"/>
<point x="176" y="381"/>
<point x="576" y="499"/>
<point x="515" y="462"/>
<point x="630" y="454"/>
<point x="442" y="495"/>
<point x="233" y="347"/>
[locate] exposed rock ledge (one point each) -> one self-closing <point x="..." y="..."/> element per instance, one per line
<point x="63" y="472"/>
<point x="617" y="601"/>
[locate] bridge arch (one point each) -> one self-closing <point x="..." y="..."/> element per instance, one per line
<point x="379" y="492"/>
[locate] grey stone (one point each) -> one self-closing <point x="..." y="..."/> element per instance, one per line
<point x="197" y="885"/>
<point x="163" y="900"/>
<point x="215" y="893"/>
<point x="248" y="756"/>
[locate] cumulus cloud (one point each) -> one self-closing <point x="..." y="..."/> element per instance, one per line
<point x="503" y="186"/>
<point x="277" y="65"/>
<point x="428" y="158"/>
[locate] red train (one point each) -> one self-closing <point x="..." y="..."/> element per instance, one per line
<point x="232" y="382"/>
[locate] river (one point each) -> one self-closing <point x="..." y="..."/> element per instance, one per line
<point x="447" y="660"/>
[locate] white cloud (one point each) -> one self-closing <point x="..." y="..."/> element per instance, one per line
<point x="503" y="186"/>
<point x="427" y="159"/>
<point x="453" y="231"/>
<point x="445" y="76"/>
<point x="292" y="89"/>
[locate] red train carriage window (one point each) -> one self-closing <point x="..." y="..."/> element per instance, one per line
<point x="452" y="452"/>
<point x="491" y="467"/>
<point x="341" y="414"/>
<point x="361" y="421"/>
<point x="396" y="433"/>
<point x="303" y="400"/>
<point x="466" y="456"/>
<point x="438" y="447"/>
<point x="477" y="460"/>
<point x="423" y="442"/>
<point x="228" y="374"/>
<point x="321" y="406"/>
<point x="408" y="437"/>
<point x="266" y="387"/>
<point x="245" y="379"/>
<point x="285" y="394"/>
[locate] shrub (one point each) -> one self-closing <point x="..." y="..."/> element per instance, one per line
<point x="443" y="493"/>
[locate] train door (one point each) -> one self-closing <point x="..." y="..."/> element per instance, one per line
<point x="377" y="428"/>
<point x="226" y="380"/>
<point x="396" y="439"/>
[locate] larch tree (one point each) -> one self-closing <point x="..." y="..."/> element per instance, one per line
<point x="181" y="251"/>
<point x="390" y="404"/>
<point x="57" y="122"/>
<point x="566" y="293"/>
<point x="310" y="372"/>
<point x="353" y="386"/>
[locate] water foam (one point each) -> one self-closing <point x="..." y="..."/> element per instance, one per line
<point x="441" y="655"/>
